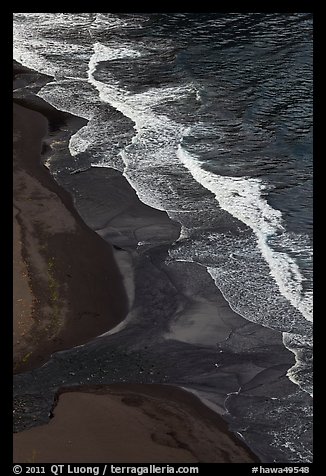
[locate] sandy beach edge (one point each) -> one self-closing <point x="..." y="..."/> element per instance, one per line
<point x="160" y="391"/>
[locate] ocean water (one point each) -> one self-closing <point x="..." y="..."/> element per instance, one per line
<point x="209" y="118"/>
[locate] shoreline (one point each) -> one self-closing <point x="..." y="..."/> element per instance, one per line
<point x="29" y="169"/>
<point x="26" y="171"/>
<point x="126" y="225"/>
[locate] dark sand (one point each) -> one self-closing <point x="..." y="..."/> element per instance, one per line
<point x="130" y="424"/>
<point x="67" y="290"/>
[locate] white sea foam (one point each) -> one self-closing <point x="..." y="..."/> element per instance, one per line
<point x="78" y="143"/>
<point x="242" y="197"/>
<point x="155" y="134"/>
<point x="295" y="343"/>
<point x="37" y="46"/>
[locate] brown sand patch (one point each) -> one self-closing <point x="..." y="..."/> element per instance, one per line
<point x="67" y="286"/>
<point x="130" y="424"/>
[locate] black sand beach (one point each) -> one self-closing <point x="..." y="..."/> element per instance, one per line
<point x="179" y="329"/>
<point x="70" y="286"/>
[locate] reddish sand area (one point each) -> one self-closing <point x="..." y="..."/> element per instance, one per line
<point x="67" y="285"/>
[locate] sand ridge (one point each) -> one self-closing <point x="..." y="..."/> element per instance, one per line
<point x="63" y="272"/>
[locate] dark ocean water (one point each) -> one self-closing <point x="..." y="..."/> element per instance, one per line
<point x="209" y="117"/>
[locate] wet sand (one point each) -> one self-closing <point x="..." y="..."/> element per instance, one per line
<point x="74" y="287"/>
